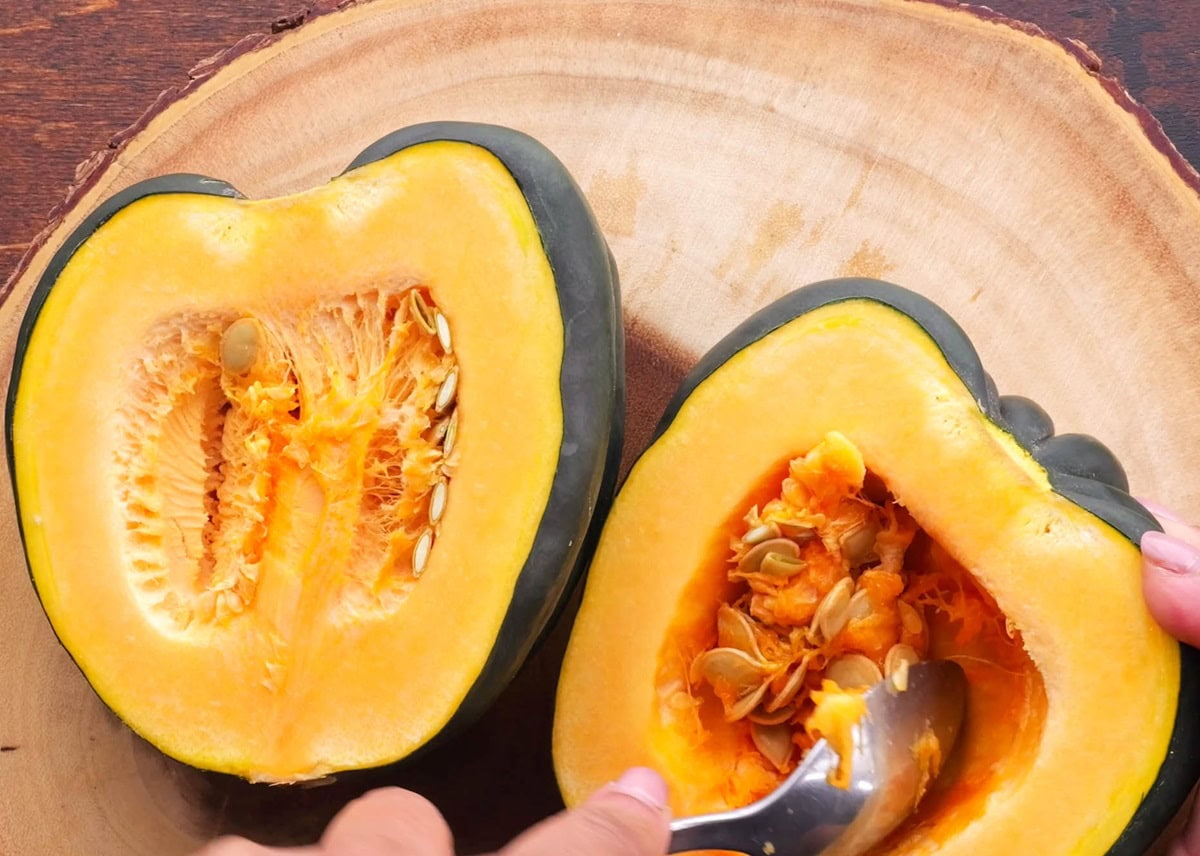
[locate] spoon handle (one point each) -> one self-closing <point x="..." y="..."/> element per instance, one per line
<point x="800" y="828"/>
<point x="709" y="833"/>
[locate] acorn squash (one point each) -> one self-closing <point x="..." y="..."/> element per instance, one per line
<point x="302" y="480"/>
<point x="838" y="491"/>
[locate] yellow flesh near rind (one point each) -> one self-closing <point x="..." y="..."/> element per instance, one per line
<point x="1111" y="674"/>
<point x="448" y="215"/>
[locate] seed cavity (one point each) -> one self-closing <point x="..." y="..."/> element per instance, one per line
<point x="812" y="572"/>
<point x="213" y="432"/>
<point x="832" y="583"/>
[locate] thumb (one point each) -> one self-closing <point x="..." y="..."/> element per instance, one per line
<point x="388" y="822"/>
<point x="1171" y="575"/>
<point x="626" y="818"/>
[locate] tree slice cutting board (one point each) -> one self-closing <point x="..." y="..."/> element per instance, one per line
<point x="732" y="151"/>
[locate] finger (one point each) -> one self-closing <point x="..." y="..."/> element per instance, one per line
<point x="1188" y="842"/>
<point x="1173" y="523"/>
<point x="1171" y="575"/>
<point x="627" y="818"/>
<point x="388" y="822"/>
<point x="232" y="845"/>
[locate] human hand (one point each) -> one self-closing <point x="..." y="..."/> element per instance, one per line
<point x="625" y="818"/>
<point x="1171" y="582"/>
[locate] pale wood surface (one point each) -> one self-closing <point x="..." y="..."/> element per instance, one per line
<point x="732" y="152"/>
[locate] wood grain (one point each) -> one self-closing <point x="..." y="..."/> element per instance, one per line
<point x="74" y="73"/>
<point x="732" y="152"/>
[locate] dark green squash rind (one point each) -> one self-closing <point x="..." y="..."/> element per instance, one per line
<point x="580" y="496"/>
<point x="174" y="183"/>
<point x="591" y="380"/>
<point x="1104" y="495"/>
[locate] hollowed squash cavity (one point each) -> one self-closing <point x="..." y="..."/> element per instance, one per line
<point x="827" y="583"/>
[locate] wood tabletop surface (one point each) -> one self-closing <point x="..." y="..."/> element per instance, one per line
<point x="75" y="72"/>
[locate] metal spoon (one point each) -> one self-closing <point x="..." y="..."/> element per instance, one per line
<point x="806" y="815"/>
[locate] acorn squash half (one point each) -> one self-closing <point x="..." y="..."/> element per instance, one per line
<point x="302" y="480"/>
<point x="836" y="492"/>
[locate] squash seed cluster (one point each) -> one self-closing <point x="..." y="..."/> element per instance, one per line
<point x="821" y="597"/>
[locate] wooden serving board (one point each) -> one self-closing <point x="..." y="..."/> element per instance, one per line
<point x="732" y="151"/>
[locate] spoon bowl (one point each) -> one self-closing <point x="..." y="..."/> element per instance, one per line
<point x="889" y="774"/>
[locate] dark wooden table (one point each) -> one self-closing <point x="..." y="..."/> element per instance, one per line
<point x="75" y="72"/>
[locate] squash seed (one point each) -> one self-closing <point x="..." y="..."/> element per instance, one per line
<point x="446" y="392"/>
<point x="750" y="562"/>
<point x="746" y="704"/>
<point x="860" y="606"/>
<point x="800" y="532"/>
<point x="421" y="552"/>
<point x="437" y="502"/>
<point x="899" y="656"/>
<point x="421" y="311"/>
<point x="899" y="678"/>
<point x="910" y="618"/>
<point x="443" y="332"/>
<point x="853" y="671"/>
<point x="735" y="629"/>
<point x="730" y="667"/>
<point x="779" y="565"/>
<point x="774" y="742"/>
<point x="858" y="543"/>
<point x="794" y="682"/>
<point x="760" y="533"/>
<point x="762" y="717"/>
<point x="834" y="610"/>
<point x="240" y="344"/>
<point x="451" y="434"/>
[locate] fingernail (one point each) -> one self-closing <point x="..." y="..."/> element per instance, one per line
<point x="1161" y="512"/>
<point x="1170" y="554"/>
<point x="643" y="785"/>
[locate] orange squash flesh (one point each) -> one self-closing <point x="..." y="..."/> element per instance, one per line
<point x="1049" y="621"/>
<point x="282" y="634"/>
